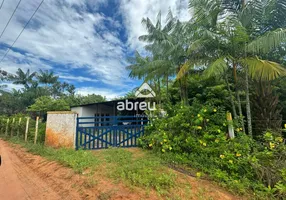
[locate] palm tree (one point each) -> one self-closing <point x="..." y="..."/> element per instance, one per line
<point x="47" y="77"/>
<point x="227" y="40"/>
<point x="71" y="89"/>
<point x="3" y="76"/>
<point x="22" y="78"/>
<point x="149" y="70"/>
<point x="166" y="45"/>
<point x="223" y="36"/>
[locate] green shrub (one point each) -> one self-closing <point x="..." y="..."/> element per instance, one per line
<point x="197" y="136"/>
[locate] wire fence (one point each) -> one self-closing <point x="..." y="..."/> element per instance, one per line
<point x="23" y="127"/>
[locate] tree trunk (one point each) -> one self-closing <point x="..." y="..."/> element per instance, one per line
<point x="237" y="95"/>
<point x="248" y="109"/>
<point x="239" y="104"/>
<point x="243" y="3"/>
<point x="181" y="85"/>
<point x="240" y="111"/>
<point x="181" y="90"/>
<point x="159" y="95"/>
<point x="265" y="108"/>
<point x="186" y="90"/>
<point x="234" y="66"/>
<point x="231" y="98"/>
<point x="167" y="86"/>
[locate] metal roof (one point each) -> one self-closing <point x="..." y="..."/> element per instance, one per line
<point x="110" y="102"/>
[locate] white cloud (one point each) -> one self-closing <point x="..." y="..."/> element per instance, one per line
<point x="15" y="60"/>
<point x="74" y="34"/>
<point x="10" y="86"/>
<point x="64" y="34"/>
<point x="108" y="93"/>
<point x="77" y="78"/>
<point x="134" y="10"/>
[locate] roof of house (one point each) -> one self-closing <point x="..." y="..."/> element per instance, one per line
<point x="110" y="103"/>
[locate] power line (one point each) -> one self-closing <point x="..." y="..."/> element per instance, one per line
<point x="22" y="31"/>
<point x="2" y="4"/>
<point x="10" y="17"/>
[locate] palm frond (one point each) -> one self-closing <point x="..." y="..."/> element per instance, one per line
<point x="206" y="12"/>
<point x="252" y="13"/>
<point x="263" y="69"/>
<point x="159" y="20"/>
<point x="267" y="42"/>
<point x="147" y="23"/>
<point x="217" y="68"/>
<point x="184" y="69"/>
<point x="198" y="44"/>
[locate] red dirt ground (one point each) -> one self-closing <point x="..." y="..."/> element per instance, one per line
<point x="27" y="176"/>
<point x="18" y="181"/>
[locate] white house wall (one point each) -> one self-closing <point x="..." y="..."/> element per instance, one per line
<point x="77" y="110"/>
<point x="91" y="111"/>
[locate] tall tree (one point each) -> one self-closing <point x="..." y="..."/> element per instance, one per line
<point x="166" y="48"/>
<point x="22" y="78"/>
<point x="229" y="41"/>
<point x="47" y="77"/>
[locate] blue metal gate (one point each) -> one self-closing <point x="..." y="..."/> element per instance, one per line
<point x="109" y="131"/>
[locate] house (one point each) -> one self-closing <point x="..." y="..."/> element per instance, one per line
<point x="110" y="108"/>
<point x="111" y="113"/>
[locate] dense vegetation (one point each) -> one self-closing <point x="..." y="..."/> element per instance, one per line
<point x="195" y="137"/>
<point x="41" y="91"/>
<point x="231" y="48"/>
<point x="229" y="57"/>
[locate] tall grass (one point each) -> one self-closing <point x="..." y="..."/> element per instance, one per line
<point x="77" y="160"/>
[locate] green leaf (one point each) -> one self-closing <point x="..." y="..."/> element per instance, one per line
<point x="263" y="69"/>
<point x="217" y="68"/>
<point x="184" y="69"/>
<point x="267" y="42"/>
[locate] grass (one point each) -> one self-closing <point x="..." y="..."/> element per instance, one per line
<point x="105" y="195"/>
<point x="77" y="160"/>
<point x="145" y="171"/>
<point x="135" y="168"/>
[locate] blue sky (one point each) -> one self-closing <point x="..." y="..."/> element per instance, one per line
<point x="85" y="42"/>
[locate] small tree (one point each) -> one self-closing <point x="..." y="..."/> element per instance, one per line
<point x="46" y="103"/>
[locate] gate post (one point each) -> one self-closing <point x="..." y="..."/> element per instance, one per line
<point x="114" y="131"/>
<point x="61" y="129"/>
<point x="76" y="133"/>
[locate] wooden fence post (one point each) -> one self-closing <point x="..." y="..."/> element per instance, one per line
<point x="230" y="125"/>
<point x="12" y="128"/>
<point x="19" y="124"/>
<point x="36" y="131"/>
<point x="1" y="129"/>
<point x="7" y="125"/>
<point x="2" y="125"/>
<point x="27" y="129"/>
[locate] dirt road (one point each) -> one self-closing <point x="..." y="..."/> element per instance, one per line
<point x="27" y="176"/>
<point x="18" y="181"/>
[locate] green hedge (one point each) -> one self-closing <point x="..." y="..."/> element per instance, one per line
<point x="197" y="137"/>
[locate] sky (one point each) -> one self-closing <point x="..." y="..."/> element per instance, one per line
<point x="85" y="42"/>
